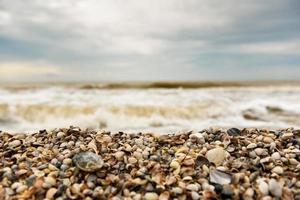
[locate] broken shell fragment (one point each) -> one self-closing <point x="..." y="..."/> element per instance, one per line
<point x="219" y="177"/>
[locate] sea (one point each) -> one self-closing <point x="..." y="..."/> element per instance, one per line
<point x="158" y="107"/>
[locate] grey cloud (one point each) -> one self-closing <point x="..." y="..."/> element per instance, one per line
<point x="123" y="39"/>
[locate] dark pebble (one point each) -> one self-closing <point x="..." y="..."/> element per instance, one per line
<point x="227" y="192"/>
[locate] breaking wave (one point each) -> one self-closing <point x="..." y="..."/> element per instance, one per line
<point x="160" y="110"/>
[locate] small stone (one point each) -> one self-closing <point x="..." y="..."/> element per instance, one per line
<point x="227" y="191"/>
<point x="50" y="181"/>
<point x="192" y="187"/>
<point x="263" y="187"/>
<point x="67" y="161"/>
<point x="216" y="155"/>
<point x="21" y="172"/>
<point x="261" y="152"/>
<point x="52" y="167"/>
<point x="293" y="161"/>
<point x="268" y="140"/>
<point x="132" y="160"/>
<point x="275" y="156"/>
<point x="249" y="193"/>
<point x="16" y="185"/>
<point x="177" y="190"/>
<point x="251" y="146"/>
<point x="60" y="135"/>
<point x="277" y="170"/>
<point x="195" y="195"/>
<point x="75" y="188"/>
<point x="21" y="189"/>
<point x="275" y="188"/>
<point x="164" y="196"/>
<point x="50" y="193"/>
<point x="188" y="162"/>
<point x="286" y="136"/>
<point x="151" y="196"/>
<point x="197" y="138"/>
<point x="174" y="164"/>
<point x="119" y="155"/>
<point x="14" y="144"/>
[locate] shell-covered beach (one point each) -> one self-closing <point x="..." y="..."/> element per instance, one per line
<point x="209" y="164"/>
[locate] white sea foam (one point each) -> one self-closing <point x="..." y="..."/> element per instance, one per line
<point x="159" y="110"/>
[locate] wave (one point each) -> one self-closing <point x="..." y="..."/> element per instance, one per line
<point x="162" y="110"/>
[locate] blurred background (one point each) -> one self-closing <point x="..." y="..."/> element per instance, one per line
<point x="163" y="66"/>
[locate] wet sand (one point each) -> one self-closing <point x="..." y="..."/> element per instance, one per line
<point x="209" y="164"/>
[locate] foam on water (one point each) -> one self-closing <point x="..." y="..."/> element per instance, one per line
<point x="159" y="110"/>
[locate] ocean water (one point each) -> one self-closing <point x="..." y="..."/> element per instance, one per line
<point x="157" y="110"/>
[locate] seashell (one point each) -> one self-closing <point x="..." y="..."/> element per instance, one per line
<point x="88" y="161"/>
<point x="219" y="177"/>
<point x="92" y="145"/>
<point x="234" y="132"/>
<point x="200" y="161"/>
<point x="216" y="155"/>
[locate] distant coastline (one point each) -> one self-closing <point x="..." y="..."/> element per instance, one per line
<point x="148" y="85"/>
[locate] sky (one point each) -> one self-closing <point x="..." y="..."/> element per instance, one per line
<point x="139" y="40"/>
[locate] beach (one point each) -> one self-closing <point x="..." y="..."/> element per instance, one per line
<point x="74" y="163"/>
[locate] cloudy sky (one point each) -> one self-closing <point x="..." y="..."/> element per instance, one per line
<point x="88" y="40"/>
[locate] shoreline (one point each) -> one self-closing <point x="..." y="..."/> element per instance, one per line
<point x="209" y="164"/>
<point x="150" y="84"/>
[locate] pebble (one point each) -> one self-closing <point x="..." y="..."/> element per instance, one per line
<point x="261" y="151"/>
<point x="151" y="196"/>
<point x="174" y="164"/>
<point x="251" y="146"/>
<point x="67" y="161"/>
<point x="21" y="189"/>
<point x="277" y="170"/>
<point x="275" y="188"/>
<point x="195" y="195"/>
<point x="119" y="155"/>
<point x="132" y="160"/>
<point x="21" y="172"/>
<point x="227" y="191"/>
<point x="14" y="144"/>
<point x="286" y="136"/>
<point x="60" y="135"/>
<point x="177" y="190"/>
<point x="275" y="156"/>
<point x="50" y="193"/>
<point x="164" y="196"/>
<point x="268" y="140"/>
<point x="192" y="187"/>
<point x="263" y="187"/>
<point x="216" y="155"/>
<point x="50" y="181"/>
